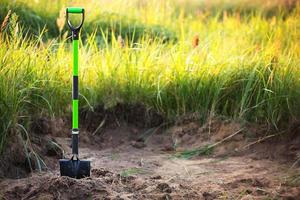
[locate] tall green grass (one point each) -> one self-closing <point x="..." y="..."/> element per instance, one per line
<point x="34" y="19"/>
<point x="134" y="18"/>
<point x="243" y="68"/>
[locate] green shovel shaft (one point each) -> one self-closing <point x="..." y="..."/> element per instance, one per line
<point x="75" y="57"/>
<point x="75" y="86"/>
<point x="75" y="94"/>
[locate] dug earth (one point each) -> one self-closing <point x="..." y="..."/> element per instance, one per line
<point x="221" y="159"/>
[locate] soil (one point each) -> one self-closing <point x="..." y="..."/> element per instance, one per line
<point x="135" y="161"/>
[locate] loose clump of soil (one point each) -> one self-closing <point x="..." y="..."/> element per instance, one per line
<point x="145" y="161"/>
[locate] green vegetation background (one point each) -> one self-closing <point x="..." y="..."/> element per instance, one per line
<point x="236" y="59"/>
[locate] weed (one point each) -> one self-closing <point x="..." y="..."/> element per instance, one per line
<point x="206" y="150"/>
<point x="188" y="154"/>
<point x="132" y="171"/>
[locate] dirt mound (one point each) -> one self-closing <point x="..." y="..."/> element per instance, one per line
<point x="134" y="114"/>
<point x="105" y="184"/>
<point x="23" y="156"/>
<point x="138" y="162"/>
<point x="13" y="160"/>
<point x="53" y="187"/>
<point x="57" y="127"/>
<point x="229" y="137"/>
<point x="191" y="136"/>
<point x="40" y="150"/>
<point x="102" y="185"/>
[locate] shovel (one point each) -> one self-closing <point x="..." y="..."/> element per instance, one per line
<point x="74" y="167"/>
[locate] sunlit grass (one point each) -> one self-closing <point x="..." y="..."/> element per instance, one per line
<point x="245" y="68"/>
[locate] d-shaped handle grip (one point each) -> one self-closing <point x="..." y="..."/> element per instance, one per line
<point x="75" y="29"/>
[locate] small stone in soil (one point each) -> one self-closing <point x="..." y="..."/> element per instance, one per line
<point x="166" y="197"/>
<point x="138" y="145"/>
<point x="140" y="140"/>
<point x="101" y="172"/>
<point x="156" y="177"/>
<point x="164" y="187"/>
<point x="168" y="148"/>
<point x="209" y="196"/>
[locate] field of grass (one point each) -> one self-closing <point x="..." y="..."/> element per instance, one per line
<point x="175" y="56"/>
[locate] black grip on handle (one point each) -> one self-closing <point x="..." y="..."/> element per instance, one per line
<point x="75" y="88"/>
<point x="75" y="143"/>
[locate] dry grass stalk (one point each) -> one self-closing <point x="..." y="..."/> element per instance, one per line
<point x="225" y="15"/>
<point x="5" y="22"/>
<point x="195" y="41"/>
<point x="121" y="42"/>
<point x="60" y="21"/>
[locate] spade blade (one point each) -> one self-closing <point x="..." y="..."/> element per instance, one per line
<point x="75" y="168"/>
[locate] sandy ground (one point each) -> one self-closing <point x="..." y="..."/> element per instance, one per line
<point x="131" y="163"/>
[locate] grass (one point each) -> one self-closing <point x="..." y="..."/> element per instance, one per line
<point x="52" y="22"/>
<point x="293" y="180"/>
<point x="133" y="171"/>
<point x="244" y="66"/>
<point x="205" y="150"/>
<point x="188" y="154"/>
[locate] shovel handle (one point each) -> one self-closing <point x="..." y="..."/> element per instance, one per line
<point x="75" y="10"/>
<point x="75" y="29"/>
<point x="75" y="90"/>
